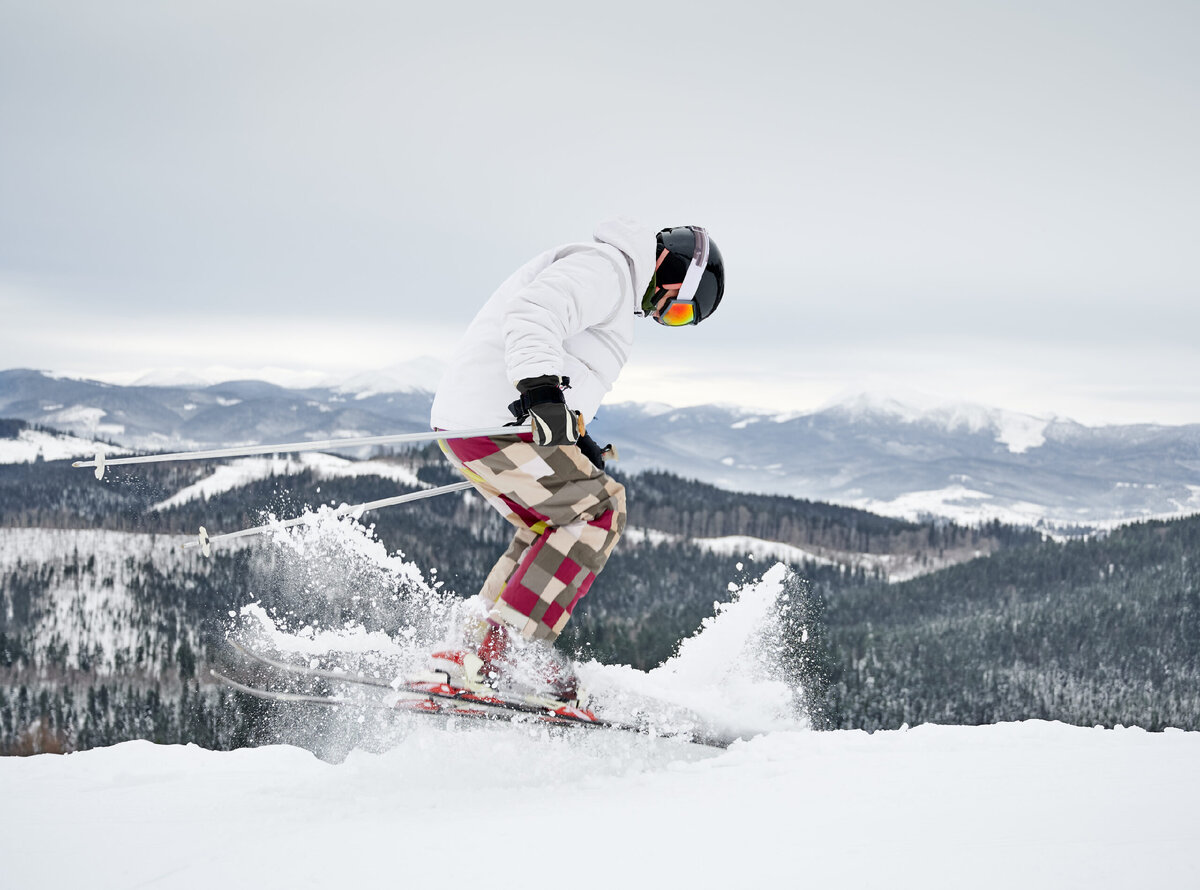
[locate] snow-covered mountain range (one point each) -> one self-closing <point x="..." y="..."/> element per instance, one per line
<point x="967" y="462"/>
<point x="964" y="462"/>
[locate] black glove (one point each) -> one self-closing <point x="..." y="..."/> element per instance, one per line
<point x="553" y="422"/>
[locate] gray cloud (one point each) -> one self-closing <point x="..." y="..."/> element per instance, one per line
<point x="880" y="176"/>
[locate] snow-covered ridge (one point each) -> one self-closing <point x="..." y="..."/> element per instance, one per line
<point x="1019" y="432"/>
<point x="731" y="545"/>
<point x="958" y="502"/>
<point x="417" y="374"/>
<point x="967" y="506"/>
<point x="31" y="444"/>
<point x="895" y="568"/>
<point x="81" y="418"/>
<point x="325" y="466"/>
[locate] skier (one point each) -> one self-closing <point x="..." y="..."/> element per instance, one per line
<point x="544" y="351"/>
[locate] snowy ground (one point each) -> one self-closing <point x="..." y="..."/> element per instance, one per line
<point x="422" y="802"/>
<point x="31" y="444"/>
<point x="1014" y="805"/>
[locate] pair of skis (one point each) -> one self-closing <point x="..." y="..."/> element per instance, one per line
<point x="419" y="697"/>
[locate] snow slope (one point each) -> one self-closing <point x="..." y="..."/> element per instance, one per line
<point x="1013" y="805"/>
<point x="421" y="801"/>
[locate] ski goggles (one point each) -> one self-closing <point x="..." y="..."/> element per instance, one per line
<point x="679" y="308"/>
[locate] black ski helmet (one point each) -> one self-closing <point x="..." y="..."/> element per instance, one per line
<point x="689" y="276"/>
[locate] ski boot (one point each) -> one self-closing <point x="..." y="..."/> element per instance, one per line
<point x="504" y="665"/>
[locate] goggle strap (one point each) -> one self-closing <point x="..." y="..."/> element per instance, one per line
<point x="695" y="271"/>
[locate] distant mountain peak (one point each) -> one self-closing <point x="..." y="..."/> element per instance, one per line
<point x="415" y="375"/>
<point x="1019" y="432"/>
<point x="181" y="377"/>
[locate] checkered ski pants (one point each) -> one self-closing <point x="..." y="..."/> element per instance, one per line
<point x="568" y="516"/>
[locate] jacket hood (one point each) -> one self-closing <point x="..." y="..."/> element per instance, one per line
<point x="634" y="239"/>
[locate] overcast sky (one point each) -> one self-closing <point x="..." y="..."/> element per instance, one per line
<point x="992" y="202"/>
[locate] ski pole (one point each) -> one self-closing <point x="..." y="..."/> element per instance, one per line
<point x="205" y="542"/>
<point x="100" y="462"/>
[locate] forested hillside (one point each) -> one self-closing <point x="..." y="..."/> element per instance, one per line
<point x="1102" y="631"/>
<point x="108" y="626"/>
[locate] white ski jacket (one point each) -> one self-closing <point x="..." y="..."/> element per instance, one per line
<point x="569" y="311"/>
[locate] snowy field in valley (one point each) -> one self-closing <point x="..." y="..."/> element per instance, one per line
<point x="1013" y="805"/>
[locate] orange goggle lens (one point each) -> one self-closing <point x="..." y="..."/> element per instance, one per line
<point x="678" y="314"/>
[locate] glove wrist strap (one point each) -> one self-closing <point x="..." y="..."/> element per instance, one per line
<point x="538" y="391"/>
